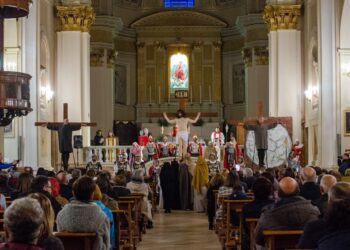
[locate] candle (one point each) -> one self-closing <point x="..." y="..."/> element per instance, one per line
<point x="210" y="94"/>
<point x="162" y="130"/>
<point x="150" y="94"/>
<point x="158" y="94"/>
<point x="200" y="94"/>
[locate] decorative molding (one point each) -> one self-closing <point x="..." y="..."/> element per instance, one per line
<point x="247" y="55"/>
<point x="250" y="22"/>
<point x="197" y="45"/>
<point x="280" y="17"/>
<point x="217" y="44"/>
<point x="100" y="57"/>
<point x="140" y="45"/>
<point x="160" y="45"/>
<point x="178" y="18"/>
<point x="261" y="56"/>
<point x="75" y="17"/>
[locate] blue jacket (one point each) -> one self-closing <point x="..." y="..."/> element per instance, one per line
<point x="109" y="215"/>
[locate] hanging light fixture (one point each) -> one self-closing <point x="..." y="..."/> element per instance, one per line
<point x="14" y="86"/>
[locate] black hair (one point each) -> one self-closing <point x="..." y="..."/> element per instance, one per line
<point x="262" y="189"/>
<point x="39" y="183"/>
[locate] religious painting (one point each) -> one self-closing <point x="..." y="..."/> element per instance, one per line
<point x="238" y="83"/>
<point x="179" y="71"/>
<point x="347" y="122"/>
<point x="120" y="88"/>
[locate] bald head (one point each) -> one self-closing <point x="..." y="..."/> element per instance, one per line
<point x="339" y="191"/>
<point x="309" y="175"/>
<point x="288" y="187"/>
<point x="327" y="182"/>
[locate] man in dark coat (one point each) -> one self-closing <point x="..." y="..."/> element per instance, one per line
<point x="65" y="139"/>
<point x="310" y="190"/>
<point x="290" y="212"/>
<point x="260" y="131"/>
<point x="169" y="182"/>
<point x="344" y="164"/>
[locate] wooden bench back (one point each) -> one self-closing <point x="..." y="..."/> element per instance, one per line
<point x="281" y="239"/>
<point x="251" y="223"/>
<point x="77" y="241"/>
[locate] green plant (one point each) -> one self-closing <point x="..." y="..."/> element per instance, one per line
<point x="162" y="122"/>
<point x="199" y="123"/>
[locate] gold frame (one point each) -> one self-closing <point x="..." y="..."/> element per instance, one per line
<point x="345" y="124"/>
<point x="172" y="50"/>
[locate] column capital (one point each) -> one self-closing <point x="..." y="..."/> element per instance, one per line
<point x="75" y="17"/>
<point x="282" y="16"/>
<point x="261" y="55"/>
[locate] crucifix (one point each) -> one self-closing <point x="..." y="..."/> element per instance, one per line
<point x="65" y="130"/>
<point x="182" y="122"/>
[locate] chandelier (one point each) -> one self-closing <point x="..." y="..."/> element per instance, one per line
<point x="14" y="86"/>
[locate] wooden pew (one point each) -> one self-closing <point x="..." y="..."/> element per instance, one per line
<point x="77" y="241"/>
<point x="137" y="215"/>
<point x="233" y="234"/>
<point x="130" y="231"/>
<point x="281" y="239"/>
<point x="251" y="223"/>
<point x="118" y="216"/>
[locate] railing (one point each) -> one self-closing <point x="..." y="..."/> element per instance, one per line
<point x="107" y="155"/>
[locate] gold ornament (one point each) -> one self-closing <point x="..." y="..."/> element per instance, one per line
<point x="75" y="17"/>
<point x="280" y="17"/>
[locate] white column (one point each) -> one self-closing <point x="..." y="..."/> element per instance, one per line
<point x="73" y="65"/>
<point x="285" y="64"/>
<point x="30" y="49"/>
<point x="328" y="142"/>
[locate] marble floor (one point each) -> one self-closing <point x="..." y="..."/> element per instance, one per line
<point x="180" y="230"/>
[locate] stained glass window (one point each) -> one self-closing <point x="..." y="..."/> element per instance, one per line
<point x="178" y="3"/>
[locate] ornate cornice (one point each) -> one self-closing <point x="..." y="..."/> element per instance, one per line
<point x="280" y="17"/>
<point x="75" y="17"/>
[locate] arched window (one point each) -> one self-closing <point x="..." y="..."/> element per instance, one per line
<point x="178" y="3"/>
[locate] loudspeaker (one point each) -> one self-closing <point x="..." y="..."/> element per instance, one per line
<point x="78" y="141"/>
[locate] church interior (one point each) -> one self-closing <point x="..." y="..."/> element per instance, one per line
<point x="228" y="88"/>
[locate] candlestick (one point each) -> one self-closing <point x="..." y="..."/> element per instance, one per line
<point x="210" y="94"/>
<point x="200" y="94"/>
<point x="169" y="95"/>
<point x="191" y="95"/>
<point x="158" y="94"/>
<point x="150" y="94"/>
<point x="162" y="130"/>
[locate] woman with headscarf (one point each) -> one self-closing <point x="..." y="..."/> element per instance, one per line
<point x="200" y="181"/>
<point x="169" y="182"/>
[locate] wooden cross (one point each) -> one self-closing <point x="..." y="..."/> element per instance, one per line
<point x="65" y="116"/>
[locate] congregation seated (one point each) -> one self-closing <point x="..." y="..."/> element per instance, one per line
<point x="344" y="164"/>
<point x="22" y="223"/>
<point x="83" y="215"/>
<point x="47" y="240"/>
<point x="226" y="190"/>
<point x="41" y="184"/>
<point x="263" y="196"/>
<point x="248" y="177"/>
<point x="106" y="210"/>
<point x="4" y="187"/>
<point x="291" y="212"/>
<point x="106" y="189"/>
<point x="23" y="186"/>
<point x="215" y="183"/>
<point x="55" y="192"/>
<point x="105" y="178"/>
<point x="76" y="174"/>
<point x="310" y="190"/>
<point x="336" y="221"/>
<point x="120" y="186"/>
<point x="327" y="181"/>
<point x="65" y="189"/>
<point x="137" y="185"/>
